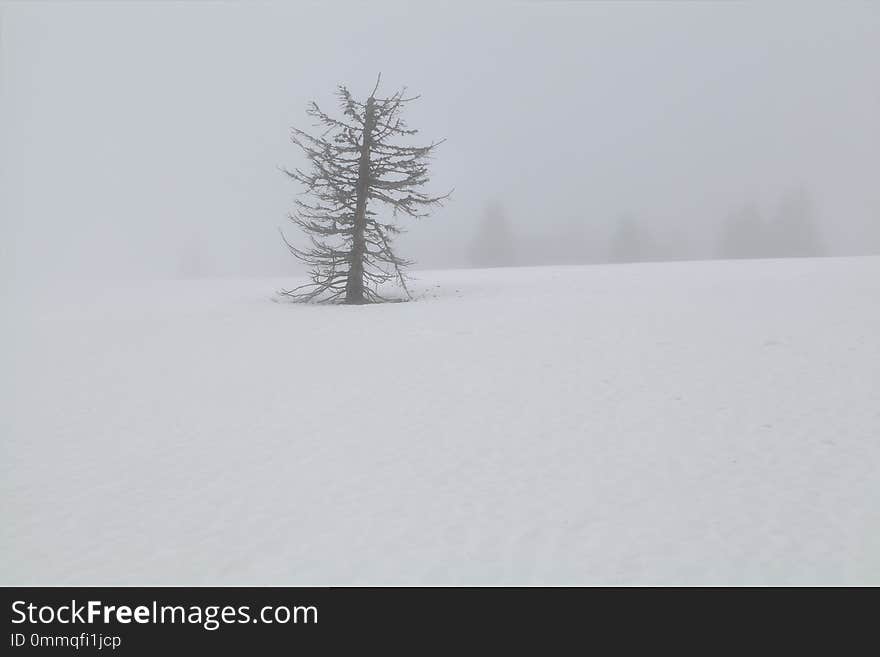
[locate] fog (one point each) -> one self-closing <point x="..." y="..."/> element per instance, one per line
<point x="144" y="141"/>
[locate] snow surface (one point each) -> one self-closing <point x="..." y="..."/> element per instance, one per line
<point x="686" y="423"/>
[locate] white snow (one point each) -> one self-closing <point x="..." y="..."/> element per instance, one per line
<point x="686" y="423"/>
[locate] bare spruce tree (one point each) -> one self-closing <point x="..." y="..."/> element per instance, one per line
<point x="360" y="164"/>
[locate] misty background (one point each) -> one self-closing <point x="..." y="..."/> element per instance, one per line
<point x="144" y="140"/>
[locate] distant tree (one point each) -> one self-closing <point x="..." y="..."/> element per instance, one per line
<point x="627" y="243"/>
<point x="794" y="231"/>
<point x="361" y="159"/>
<point x="744" y="235"/>
<point x="494" y="243"/>
<point x="191" y="260"/>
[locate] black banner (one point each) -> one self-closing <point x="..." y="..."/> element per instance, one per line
<point x="133" y="621"/>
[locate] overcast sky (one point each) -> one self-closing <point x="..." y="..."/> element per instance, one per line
<point x="143" y="140"/>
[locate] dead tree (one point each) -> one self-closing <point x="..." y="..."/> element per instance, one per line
<point x="358" y="164"/>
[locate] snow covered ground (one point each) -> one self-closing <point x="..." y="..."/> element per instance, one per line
<point x="685" y="423"/>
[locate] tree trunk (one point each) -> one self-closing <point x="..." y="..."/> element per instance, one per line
<point x="354" y="283"/>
